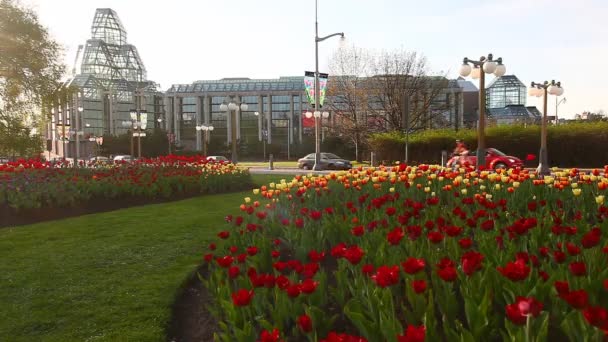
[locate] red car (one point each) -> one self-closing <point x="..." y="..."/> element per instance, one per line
<point x="495" y="160"/>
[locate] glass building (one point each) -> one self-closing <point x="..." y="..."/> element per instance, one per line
<point x="506" y="102"/>
<point x="108" y="81"/>
<point x="280" y="103"/>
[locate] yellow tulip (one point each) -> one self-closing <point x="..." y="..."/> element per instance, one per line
<point x="516" y="184"/>
<point x="576" y="192"/>
<point x="391" y="189"/>
<point x="247" y="199"/>
<point x="427" y="189"/>
<point x="574" y="185"/>
<point x="497" y="186"/>
<point x="482" y="187"/>
<point x="272" y="185"/>
<point x="463" y="191"/>
<point x="488" y="196"/>
<point x="599" y="199"/>
<point x="256" y="191"/>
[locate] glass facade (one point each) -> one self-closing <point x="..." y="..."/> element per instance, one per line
<point x="506" y="91"/>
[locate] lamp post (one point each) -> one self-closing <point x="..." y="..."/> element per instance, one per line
<point x="206" y="129"/>
<point x="78" y="128"/>
<point x="485" y="65"/>
<point x="557" y="103"/>
<point x="232" y="108"/>
<point x="317" y="115"/>
<point x="538" y="90"/>
<point x="264" y="134"/>
<point x="138" y="120"/>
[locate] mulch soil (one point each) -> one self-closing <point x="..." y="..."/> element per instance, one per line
<point x="190" y="322"/>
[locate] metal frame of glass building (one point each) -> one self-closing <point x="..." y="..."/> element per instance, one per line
<point x="506" y="102"/>
<point x="281" y="103"/>
<point x="109" y="80"/>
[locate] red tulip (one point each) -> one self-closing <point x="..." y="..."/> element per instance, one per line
<point x="578" y="268"/>
<point x="252" y="250"/>
<point x="465" y="243"/>
<point x="242" y="297"/>
<point x="233" y="272"/>
<point x="293" y="291"/>
<point x="223" y="235"/>
<point x="419" y="286"/>
<point x="447" y="274"/>
<point x="386" y="276"/>
<point x="308" y="286"/>
<point x="305" y="323"/>
<point x="354" y="254"/>
<point x="577" y="299"/>
<point x="367" y="269"/>
<point x="315" y="256"/>
<point x="522" y="308"/>
<point x="395" y="236"/>
<point x="270" y="336"/>
<point x="435" y="237"/>
<point x="596" y="316"/>
<point x="413" y="265"/>
<point x="315" y="215"/>
<point x="531" y="157"/>
<point x="471" y="262"/>
<point x="515" y="271"/>
<point x="225" y="261"/>
<point x="413" y="334"/>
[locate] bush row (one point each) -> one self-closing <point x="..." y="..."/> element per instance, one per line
<point x="568" y="145"/>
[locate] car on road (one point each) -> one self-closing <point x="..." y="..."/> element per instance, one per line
<point x="495" y="160"/>
<point x="123" y="157"/>
<point x="99" y="159"/>
<point x="329" y="161"/>
<point x="218" y="159"/>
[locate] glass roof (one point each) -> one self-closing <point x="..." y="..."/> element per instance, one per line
<point x="291" y="83"/>
<point x="517" y="111"/>
<point x="507" y="81"/>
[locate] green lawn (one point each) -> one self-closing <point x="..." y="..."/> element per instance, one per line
<point x="105" y="277"/>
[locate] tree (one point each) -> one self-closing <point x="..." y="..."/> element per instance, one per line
<point x="348" y="94"/>
<point x="29" y="59"/>
<point x="399" y="73"/>
<point x="366" y="93"/>
<point x="17" y="139"/>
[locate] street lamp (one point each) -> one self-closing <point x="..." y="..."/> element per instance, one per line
<point x="317" y="114"/>
<point x="139" y="119"/>
<point x="233" y="108"/>
<point x="538" y="90"/>
<point x="264" y="134"/>
<point x="206" y="129"/>
<point x="485" y="65"/>
<point x="557" y="103"/>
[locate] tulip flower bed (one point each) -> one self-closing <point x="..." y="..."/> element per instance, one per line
<point x="31" y="187"/>
<point x="413" y="254"/>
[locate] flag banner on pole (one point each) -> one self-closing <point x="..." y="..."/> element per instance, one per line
<point x="144" y="120"/>
<point x="309" y="86"/>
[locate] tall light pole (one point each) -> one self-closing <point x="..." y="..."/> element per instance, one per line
<point x="543" y="89"/>
<point x="264" y="134"/>
<point x="317" y="108"/>
<point x="233" y="107"/>
<point x="485" y="65"/>
<point x="206" y="130"/>
<point x="557" y="103"/>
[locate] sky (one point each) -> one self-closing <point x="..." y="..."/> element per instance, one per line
<point x="181" y="41"/>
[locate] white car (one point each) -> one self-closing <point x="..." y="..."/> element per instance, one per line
<point x="218" y="159"/>
<point x="123" y="157"/>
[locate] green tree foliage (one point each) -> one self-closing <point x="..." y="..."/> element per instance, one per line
<point x="29" y="75"/>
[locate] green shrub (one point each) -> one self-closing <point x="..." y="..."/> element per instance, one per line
<point x="568" y="145"/>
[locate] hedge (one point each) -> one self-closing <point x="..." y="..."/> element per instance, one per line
<point x="568" y="145"/>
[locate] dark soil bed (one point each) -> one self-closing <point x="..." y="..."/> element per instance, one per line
<point x="10" y="217"/>
<point x="190" y="322"/>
